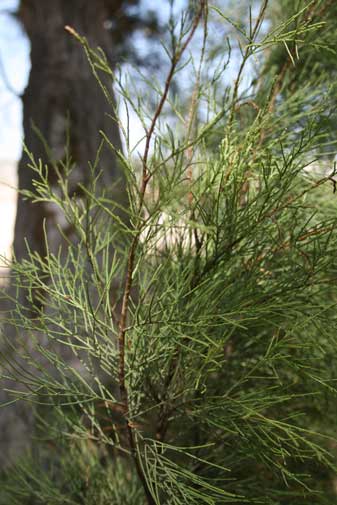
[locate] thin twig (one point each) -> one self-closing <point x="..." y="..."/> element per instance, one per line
<point x="146" y="175"/>
<point x="162" y="424"/>
<point x="280" y="79"/>
<point x="246" y="55"/>
<point x="175" y="60"/>
<point x="277" y="86"/>
<point x="194" y="105"/>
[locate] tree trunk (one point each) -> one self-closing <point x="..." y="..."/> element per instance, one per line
<point x="61" y="87"/>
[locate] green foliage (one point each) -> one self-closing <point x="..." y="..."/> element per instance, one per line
<point x="218" y="386"/>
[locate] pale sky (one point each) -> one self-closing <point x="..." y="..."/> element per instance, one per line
<point x="14" y="68"/>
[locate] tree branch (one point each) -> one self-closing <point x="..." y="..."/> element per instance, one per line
<point x="146" y="175"/>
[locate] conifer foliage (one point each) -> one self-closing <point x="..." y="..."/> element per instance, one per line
<point x="202" y="329"/>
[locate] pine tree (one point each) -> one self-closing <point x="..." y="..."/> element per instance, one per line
<point x="209" y="377"/>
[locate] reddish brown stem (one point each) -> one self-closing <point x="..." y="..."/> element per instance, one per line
<point x="132" y="254"/>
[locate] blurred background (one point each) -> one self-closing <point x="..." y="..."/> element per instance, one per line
<point x="139" y="31"/>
